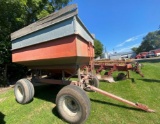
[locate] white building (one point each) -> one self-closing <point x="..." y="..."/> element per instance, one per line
<point x="119" y="56"/>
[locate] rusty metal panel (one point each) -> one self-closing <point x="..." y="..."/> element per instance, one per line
<point x="71" y="50"/>
<point x="58" y="48"/>
<point x="82" y="47"/>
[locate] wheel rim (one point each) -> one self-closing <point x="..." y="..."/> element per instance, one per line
<point x="19" y="93"/>
<point x="71" y="106"/>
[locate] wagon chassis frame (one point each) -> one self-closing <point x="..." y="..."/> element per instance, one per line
<point x="82" y="78"/>
<point x="84" y="84"/>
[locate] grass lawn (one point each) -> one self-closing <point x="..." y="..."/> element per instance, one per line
<point x="42" y="110"/>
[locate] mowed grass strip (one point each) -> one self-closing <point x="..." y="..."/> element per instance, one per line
<point x="104" y="110"/>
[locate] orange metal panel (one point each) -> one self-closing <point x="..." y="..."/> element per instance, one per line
<point x="64" y="47"/>
<point x="84" y="48"/>
<point x="66" y="51"/>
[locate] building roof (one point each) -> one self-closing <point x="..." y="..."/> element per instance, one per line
<point x="122" y="53"/>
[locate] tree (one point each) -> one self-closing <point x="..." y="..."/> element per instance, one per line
<point x="98" y="48"/>
<point x="150" y="41"/>
<point x="36" y="9"/>
<point x="134" y="49"/>
<point x="7" y="21"/>
<point x="16" y="14"/>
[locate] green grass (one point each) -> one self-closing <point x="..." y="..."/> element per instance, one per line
<point x="42" y="110"/>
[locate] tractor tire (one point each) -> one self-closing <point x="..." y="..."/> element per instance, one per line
<point x="93" y="82"/>
<point x="24" y="91"/>
<point x="73" y="104"/>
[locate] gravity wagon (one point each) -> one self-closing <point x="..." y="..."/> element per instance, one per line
<point x="55" y="48"/>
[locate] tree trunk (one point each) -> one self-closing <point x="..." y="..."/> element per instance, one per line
<point x="5" y="75"/>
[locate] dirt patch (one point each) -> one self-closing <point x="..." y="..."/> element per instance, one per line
<point x="2" y="99"/>
<point x="4" y="89"/>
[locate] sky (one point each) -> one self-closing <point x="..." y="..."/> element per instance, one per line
<point x="119" y="24"/>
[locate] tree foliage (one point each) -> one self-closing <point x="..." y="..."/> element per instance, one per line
<point x="150" y="41"/>
<point x="15" y="14"/>
<point x="98" y="48"/>
<point x="134" y="49"/>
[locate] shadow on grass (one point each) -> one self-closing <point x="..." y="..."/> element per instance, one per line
<point x="150" y="80"/>
<point x="132" y="80"/>
<point x="155" y="60"/>
<point x="2" y="118"/>
<point x="116" y="105"/>
<point x="48" y="93"/>
<point x="55" y="112"/>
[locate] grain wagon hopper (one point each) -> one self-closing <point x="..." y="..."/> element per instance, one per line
<point x="56" y="47"/>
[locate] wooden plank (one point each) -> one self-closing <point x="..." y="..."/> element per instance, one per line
<point x="59" y="19"/>
<point x="57" y="14"/>
<point x="51" y="19"/>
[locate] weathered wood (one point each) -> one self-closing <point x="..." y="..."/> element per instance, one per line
<point x="63" y="14"/>
<point x="56" y="20"/>
<point x="57" y="14"/>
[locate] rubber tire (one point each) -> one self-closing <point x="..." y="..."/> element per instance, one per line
<point x="95" y="83"/>
<point x="79" y="98"/>
<point x="27" y="91"/>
